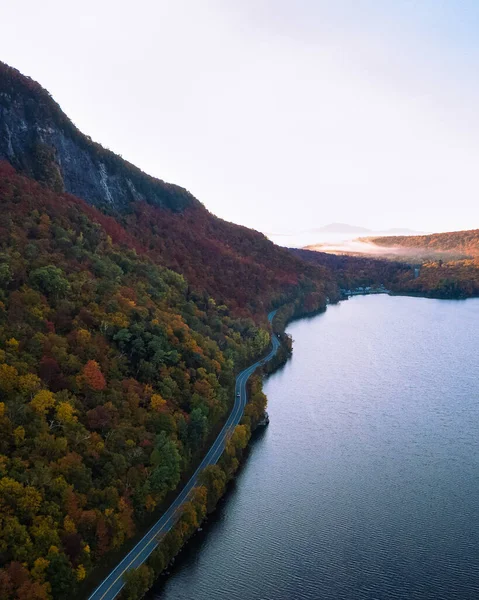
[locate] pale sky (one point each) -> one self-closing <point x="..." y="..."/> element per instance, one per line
<point x="281" y="115"/>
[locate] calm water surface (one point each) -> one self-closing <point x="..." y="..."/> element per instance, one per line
<point x="366" y="483"/>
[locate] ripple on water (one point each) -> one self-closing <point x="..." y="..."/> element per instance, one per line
<point x="365" y="484"/>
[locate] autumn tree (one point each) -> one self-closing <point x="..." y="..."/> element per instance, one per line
<point x="137" y="582"/>
<point x="93" y="377"/>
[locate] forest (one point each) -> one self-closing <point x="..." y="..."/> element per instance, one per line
<point x="354" y="271"/>
<point x="115" y="370"/>
<point x="420" y="274"/>
<point x="235" y="265"/>
<point x="447" y="263"/>
<point x="122" y="327"/>
<point x="454" y="279"/>
<point x="113" y="373"/>
<point x="462" y="243"/>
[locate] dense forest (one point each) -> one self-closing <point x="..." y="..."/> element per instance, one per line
<point x="465" y="243"/>
<point x="433" y="277"/>
<point x="443" y="279"/>
<point x="124" y="317"/>
<point x="447" y="264"/>
<point x="125" y="314"/>
<point x="112" y="375"/>
<point x="235" y="265"/>
<point x="353" y="271"/>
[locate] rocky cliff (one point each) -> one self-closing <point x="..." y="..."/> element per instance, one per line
<point x="38" y="139"/>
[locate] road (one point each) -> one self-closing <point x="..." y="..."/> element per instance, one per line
<point x="112" y="585"/>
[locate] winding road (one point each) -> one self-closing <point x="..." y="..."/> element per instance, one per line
<point x="111" y="586"/>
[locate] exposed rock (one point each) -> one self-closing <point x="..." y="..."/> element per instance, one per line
<point x="38" y="139"/>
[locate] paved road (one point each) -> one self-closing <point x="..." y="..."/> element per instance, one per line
<point x="112" y="585"/>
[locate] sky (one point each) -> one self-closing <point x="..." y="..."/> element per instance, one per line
<point x="281" y="115"/>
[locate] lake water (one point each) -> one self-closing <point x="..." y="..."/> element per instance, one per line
<point x="365" y="485"/>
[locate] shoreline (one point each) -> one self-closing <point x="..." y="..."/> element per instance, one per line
<point x="286" y="314"/>
<point x="280" y="319"/>
<point x="292" y="313"/>
<point x="154" y="538"/>
<point x="311" y="393"/>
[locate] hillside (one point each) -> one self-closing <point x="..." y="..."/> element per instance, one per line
<point x="454" y="242"/>
<point x="444" y="279"/>
<point x="354" y="271"/>
<point x="236" y="265"/>
<point x="124" y="316"/>
<point x="112" y="376"/>
<point x="424" y="274"/>
<point x="447" y="263"/>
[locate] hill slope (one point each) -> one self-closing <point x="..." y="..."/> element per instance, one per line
<point x="454" y="242"/>
<point x="114" y="369"/>
<point x="446" y="264"/>
<point x="236" y="265"/>
<point x="112" y="376"/>
<point x="354" y="271"/>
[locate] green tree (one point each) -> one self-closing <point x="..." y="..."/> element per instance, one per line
<point x="165" y="462"/>
<point x="50" y="281"/>
<point x="60" y="575"/>
<point x="198" y="428"/>
<point x="137" y="582"/>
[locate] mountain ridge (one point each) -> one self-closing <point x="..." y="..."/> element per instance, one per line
<point x="236" y="265"/>
<point x="39" y="140"/>
<point x="123" y="320"/>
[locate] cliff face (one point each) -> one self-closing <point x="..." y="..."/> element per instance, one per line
<point x="38" y="139"/>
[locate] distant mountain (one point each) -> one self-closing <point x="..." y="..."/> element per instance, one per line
<point x="341" y="228"/>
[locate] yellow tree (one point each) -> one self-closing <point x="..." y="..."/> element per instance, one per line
<point x="43" y="402"/>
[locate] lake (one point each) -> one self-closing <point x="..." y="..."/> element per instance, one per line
<point x="365" y="485"/>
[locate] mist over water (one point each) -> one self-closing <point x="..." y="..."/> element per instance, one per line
<point x="307" y="238"/>
<point x="338" y="242"/>
<point x="362" y="247"/>
<point x="365" y="484"/>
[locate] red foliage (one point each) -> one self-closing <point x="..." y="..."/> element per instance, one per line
<point x="233" y="264"/>
<point x="18" y="573"/>
<point x="93" y="377"/>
